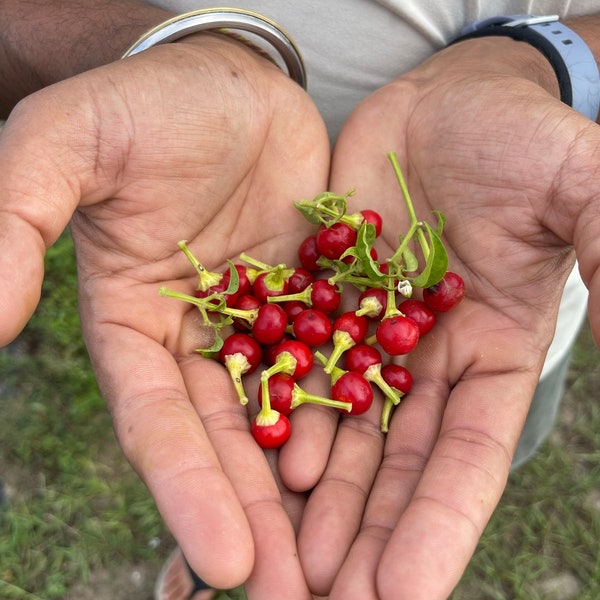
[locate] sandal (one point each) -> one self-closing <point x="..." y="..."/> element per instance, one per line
<point x="177" y="581"/>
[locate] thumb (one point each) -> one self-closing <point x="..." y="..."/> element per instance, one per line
<point x="38" y="194"/>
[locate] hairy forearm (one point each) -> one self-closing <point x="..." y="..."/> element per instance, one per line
<point x="45" y="41"/>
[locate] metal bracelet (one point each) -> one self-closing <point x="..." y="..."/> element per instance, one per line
<point x="227" y="18"/>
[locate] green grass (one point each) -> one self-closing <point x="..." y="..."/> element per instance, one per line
<point x="74" y="504"/>
<point x="542" y="542"/>
<point x="76" y="509"/>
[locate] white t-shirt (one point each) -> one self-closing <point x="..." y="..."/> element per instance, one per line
<point x="353" y="47"/>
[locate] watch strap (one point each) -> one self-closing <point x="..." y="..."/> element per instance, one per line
<point x="573" y="62"/>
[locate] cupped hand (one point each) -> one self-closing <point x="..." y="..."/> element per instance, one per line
<point x="200" y="140"/>
<point x="515" y="173"/>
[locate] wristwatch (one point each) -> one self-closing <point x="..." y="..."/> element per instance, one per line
<point x="573" y="62"/>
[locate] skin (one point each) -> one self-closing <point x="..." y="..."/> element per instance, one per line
<point x="45" y="42"/>
<point x="116" y="149"/>
<point x="513" y="237"/>
<point x="135" y="156"/>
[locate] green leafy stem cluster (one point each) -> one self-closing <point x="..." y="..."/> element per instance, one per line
<point x="405" y="269"/>
<point x="364" y="272"/>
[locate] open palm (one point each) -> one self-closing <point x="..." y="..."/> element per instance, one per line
<point x="514" y="171"/>
<point x="202" y="141"/>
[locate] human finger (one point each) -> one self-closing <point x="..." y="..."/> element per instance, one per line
<point x="163" y="437"/>
<point x="333" y="514"/>
<point x="275" y="566"/>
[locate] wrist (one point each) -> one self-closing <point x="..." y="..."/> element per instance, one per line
<point x="571" y="58"/>
<point x="253" y="30"/>
<point x="485" y="58"/>
<point x="506" y="57"/>
<point x="230" y="48"/>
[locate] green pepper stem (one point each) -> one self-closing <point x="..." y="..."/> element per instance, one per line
<point x="415" y="224"/>
<point x="373" y="374"/>
<point x="299" y="396"/>
<point x="336" y="372"/>
<point x="237" y="364"/>
<point x="265" y="406"/>
<point x="386" y="413"/>
<point x="342" y="341"/>
<point x="304" y="296"/>
<point x="391" y="310"/>
<point x="206" y="278"/>
<point x="261" y="266"/>
<point x="286" y="363"/>
<point x="369" y="306"/>
<point x="207" y="304"/>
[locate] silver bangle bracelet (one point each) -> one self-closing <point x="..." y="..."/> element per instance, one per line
<point x="265" y="30"/>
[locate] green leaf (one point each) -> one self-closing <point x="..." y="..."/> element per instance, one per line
<point x="308" y="212"/>
<point x="327" y="208"/>
<point x="214" y="349"/>
<point x="437" y="260"/>
<point x="234" y="279"/>
<point x="352" y="251"/>
<point x="411" y="263"/>
<point x="216" y="326"/>
<point x="214" y="302"/>
<point x="326" y="263"/>
<point x="365" y="239"/>
<point x="441" y="222"/>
